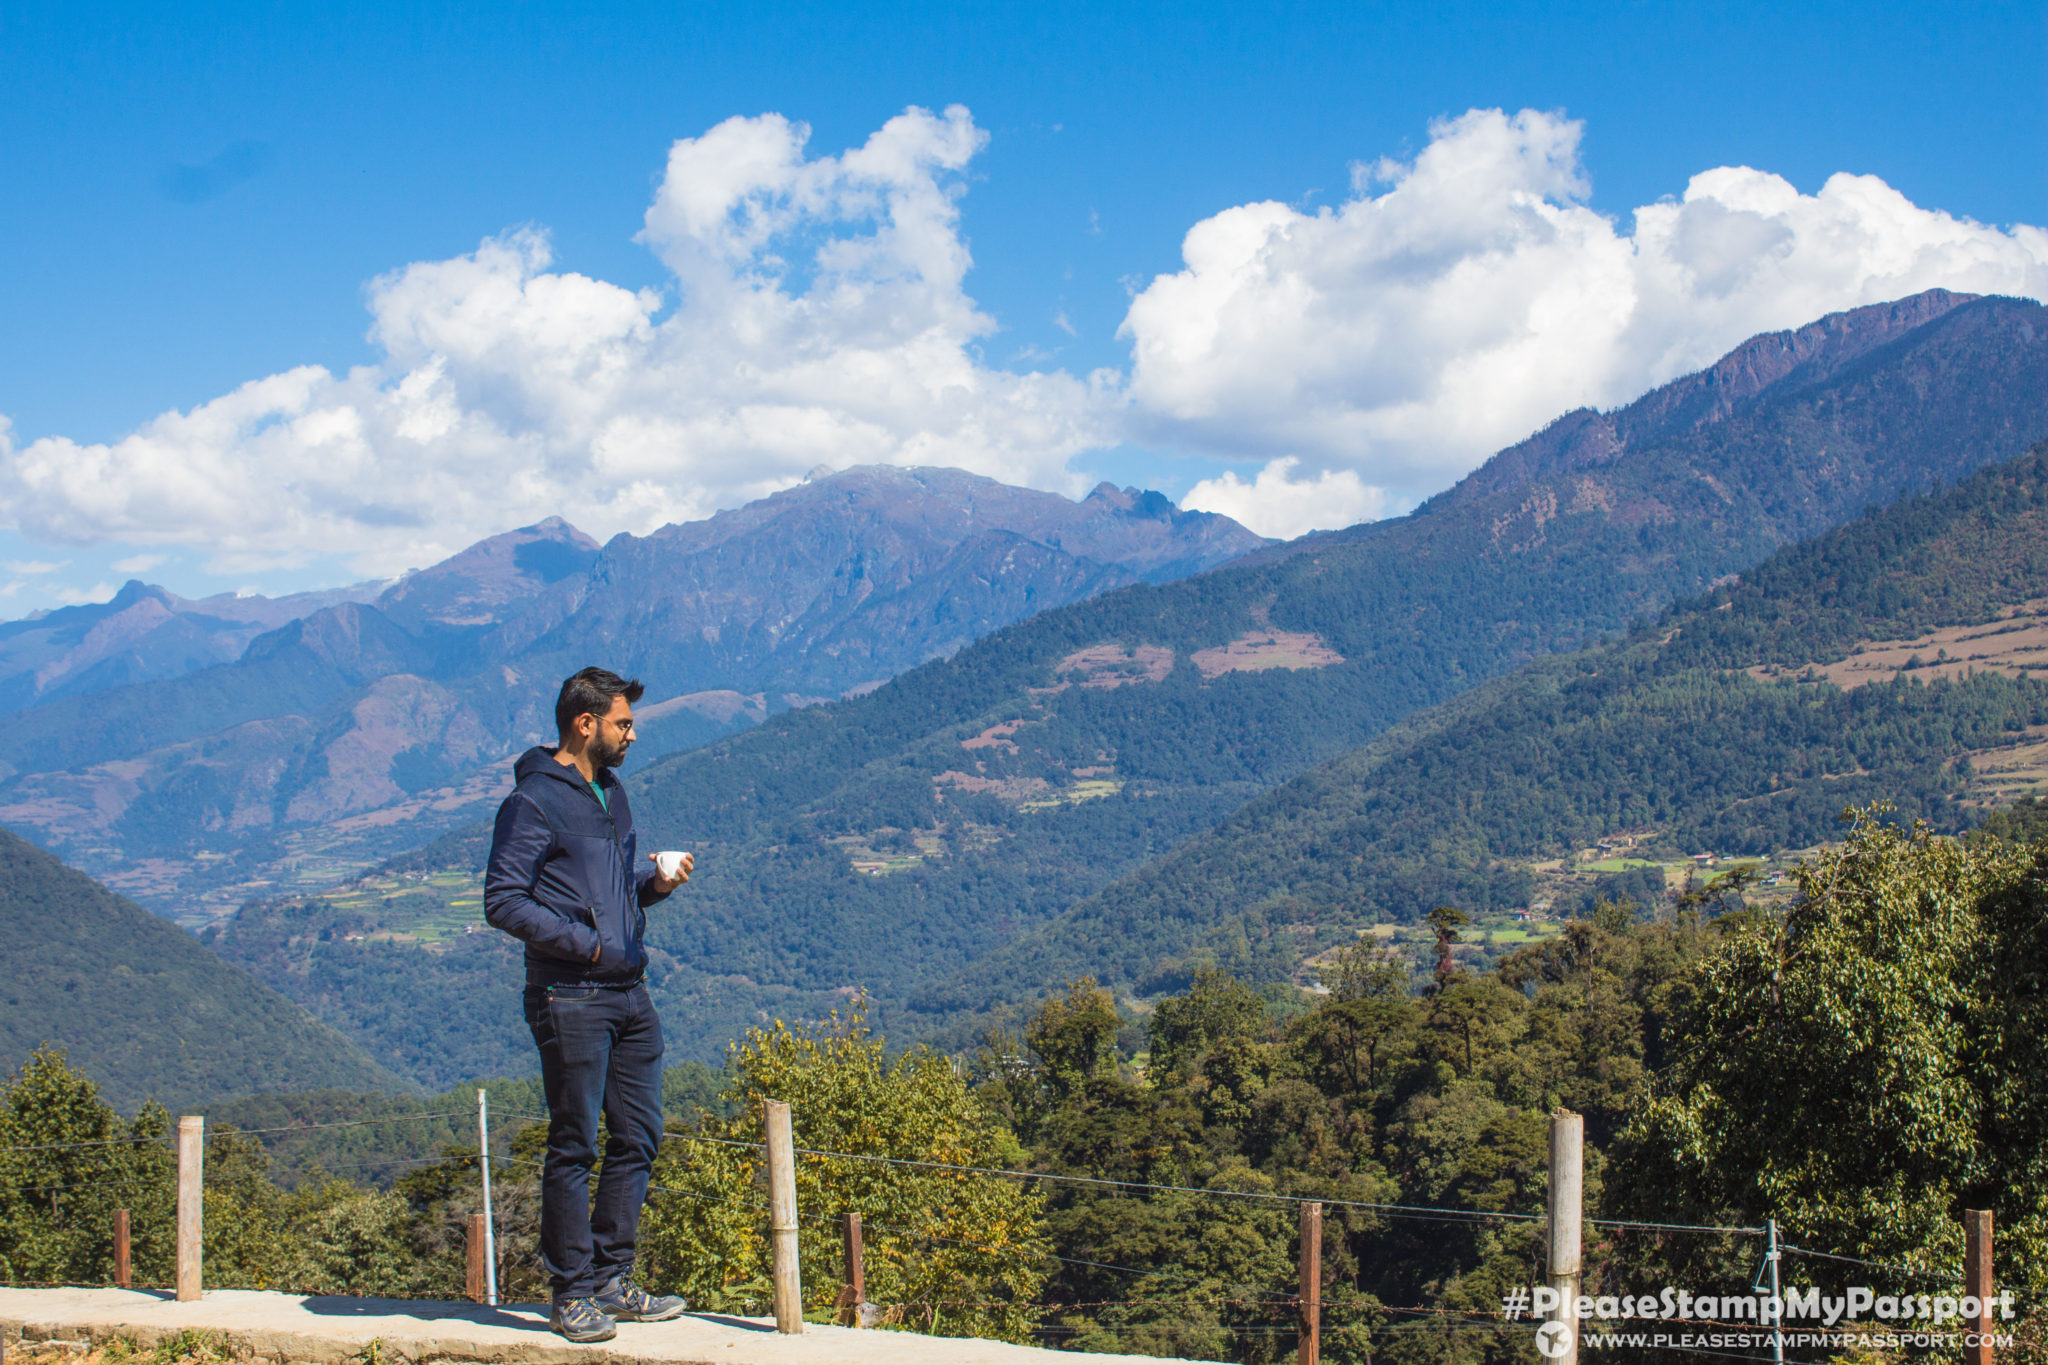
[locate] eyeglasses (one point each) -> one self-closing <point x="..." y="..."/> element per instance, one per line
<point x="625" y="726"/>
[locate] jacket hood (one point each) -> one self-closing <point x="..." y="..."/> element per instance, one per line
<point x="539" y="761"/>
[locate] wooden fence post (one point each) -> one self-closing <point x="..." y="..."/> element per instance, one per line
<point x="855" y="1296"/>
<point x="1310" y="1350"/>
<point x="123" y="1278"/>
<point x="191" y="1204"/>
<point x="478" y="1288"/>
<point x="1977" y="1284"/>
<point x="1567" y="1193"/>
<point x="483" y="1166"/>
<point x="782" y="1227"/>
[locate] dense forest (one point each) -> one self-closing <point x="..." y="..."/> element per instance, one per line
<point x="1859" y="1067"/>
<point x="894" y="842"/>
<point x="1713" y="727"/>
<point x="153" y="1010"/>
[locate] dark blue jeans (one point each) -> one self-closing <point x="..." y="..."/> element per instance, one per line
<point x="600" y="1052"/>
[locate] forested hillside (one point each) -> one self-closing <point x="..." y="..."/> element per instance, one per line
<point x="895" y="840"/>
<point x="1903" y="657"/>
<point x="141" y="1007"/>
<point x="1900" y="1081"/>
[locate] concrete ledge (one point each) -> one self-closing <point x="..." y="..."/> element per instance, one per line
<point x="330" y="1331"/>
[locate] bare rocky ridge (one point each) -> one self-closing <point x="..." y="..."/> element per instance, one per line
<point x="491" y="579"/>
<point x="1783" y="362"/>
<point x="840" y="583"/>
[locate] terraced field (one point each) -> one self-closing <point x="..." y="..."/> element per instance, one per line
<point x="427" y="908"/>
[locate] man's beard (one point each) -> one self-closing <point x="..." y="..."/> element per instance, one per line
<point x="604" y="755"/>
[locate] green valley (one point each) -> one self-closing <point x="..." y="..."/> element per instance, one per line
<point x="948" y="841"/>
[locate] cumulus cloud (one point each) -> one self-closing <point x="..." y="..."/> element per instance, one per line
<point x="1276" y="503"/>
<point x="819" y="318"/>
<point x="1455" y="303"/>
<point x="139" y="563"/>
<point x="1357" y="357"/>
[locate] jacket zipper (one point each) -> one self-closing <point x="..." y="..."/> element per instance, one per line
<point x="618" y="857"/>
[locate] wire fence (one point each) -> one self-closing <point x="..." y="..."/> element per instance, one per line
<point x="1224" y="1302"/>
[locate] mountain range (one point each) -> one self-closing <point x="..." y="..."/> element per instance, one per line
<point x="143" y="635"/>
<point x="933" y="841"/>
<point x="347" y="727"/>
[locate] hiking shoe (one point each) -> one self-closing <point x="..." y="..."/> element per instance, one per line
<point x="628" y="1302"/>
<point x="583" y="1320"/>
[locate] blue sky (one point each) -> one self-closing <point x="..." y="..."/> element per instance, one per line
<point x="199" y="196"/>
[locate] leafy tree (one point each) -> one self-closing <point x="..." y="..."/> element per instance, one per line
<point x="1366" y="970"/>
<point x="2025" y="821"/>
<point x="248" y="1219"/>
<point x="1346" y="1045"/>
<point x="67" y="1161"/>
<point x="352" y="1241"/>
<point x="1216" y="1010"/>
<point x="948" y="1251"/>
<point x="1467" y="1020"/>
<point x="1075" y="1036"/>
<point x="1869" y="1066"/>
<point x="1444" y="922"/>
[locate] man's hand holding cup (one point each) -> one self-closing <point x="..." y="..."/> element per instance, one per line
<point x="672" y="869"/>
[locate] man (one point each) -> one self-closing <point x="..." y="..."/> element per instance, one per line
<point x="562" y="879"/>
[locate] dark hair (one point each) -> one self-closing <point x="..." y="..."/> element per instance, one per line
<point x="591" y="693"/>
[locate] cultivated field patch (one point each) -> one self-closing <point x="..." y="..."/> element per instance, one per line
<point x="1115" y="665"/>
<point x="2015" y="642"/>
<point x="1263" y="649"/>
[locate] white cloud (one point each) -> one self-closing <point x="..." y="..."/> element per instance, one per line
<point x="31" y="568"/>
<point x="1361" y="356"/>
<point x="820" y="318"/>
<point x="139" y="563"/>
<point x="98" y="592"/>
<point x="1280" y="505"/>
<point x="1456" y="303"/>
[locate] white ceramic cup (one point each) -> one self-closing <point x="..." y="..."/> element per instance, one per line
<point x="671" y="864"/>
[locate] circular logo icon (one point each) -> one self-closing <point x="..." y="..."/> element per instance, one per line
<point x="1554" y="1339"/>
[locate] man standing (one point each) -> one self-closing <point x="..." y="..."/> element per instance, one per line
<point x="562" y="879"/>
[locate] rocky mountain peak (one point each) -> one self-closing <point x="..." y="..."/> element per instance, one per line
<point x="1767" y="364"/>
<point x="473" y="587"/>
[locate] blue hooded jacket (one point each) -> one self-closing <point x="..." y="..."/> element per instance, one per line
<point x="563" y="878"/>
